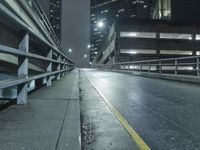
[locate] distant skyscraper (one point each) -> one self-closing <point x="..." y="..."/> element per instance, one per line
<point x="107" y="12"/>
<point x="55" y="16"/>
<point x="53" y="10"/>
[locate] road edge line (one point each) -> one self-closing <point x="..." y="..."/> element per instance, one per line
<point x="134" y="135"/>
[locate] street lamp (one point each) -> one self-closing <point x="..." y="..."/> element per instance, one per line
<point x="89" y="46"/>
<point x="85" y="56"/>
<point x="100" y="24"/>
<point x="70" y="50"/>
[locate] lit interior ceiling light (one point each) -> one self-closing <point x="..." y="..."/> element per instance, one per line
<point x="128" y="34"/>
<point x="145" y="6"/>
<point x="133" y="67"/>
<point x="132" y="34"/>
<point x="190" y="38"/>
<point x="190" y="53"/>
<point x="197" y="38"/>
<point x="190" y="68"/>
<point x="132" y="52"/>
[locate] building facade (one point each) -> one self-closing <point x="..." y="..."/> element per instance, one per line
<point x="55" y="16"/>
<point x="108" y="11"/>
<point x="176" y="10"/>
<point x="144" y="39"/>
<point x="53" y="10"/>
<point x="129" y="12"/>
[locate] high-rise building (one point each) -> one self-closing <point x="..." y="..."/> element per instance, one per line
<point x="172" y="30"/>
<point x="55" y="16"/>
<point x="109" y="11"/>
<point x="106" y="11"/>
<point x="53" y="10"/>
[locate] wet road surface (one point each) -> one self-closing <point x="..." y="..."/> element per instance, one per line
<point x="166" y="114"/>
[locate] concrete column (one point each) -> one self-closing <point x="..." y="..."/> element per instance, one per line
<point x="49" y="69"/>
<point x="22" y="90"/>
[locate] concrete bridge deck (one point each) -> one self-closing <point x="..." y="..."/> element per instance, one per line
<point x="110" y="111"/>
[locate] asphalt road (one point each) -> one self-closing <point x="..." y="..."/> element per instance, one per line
<point x="166" y="114"/>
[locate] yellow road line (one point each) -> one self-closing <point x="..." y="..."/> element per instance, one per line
<point x="134" y="135"/>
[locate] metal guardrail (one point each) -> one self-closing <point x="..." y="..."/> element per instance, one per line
<point x="177" y="66"/>
<point x="45" y="21"/>
<point x="57" y="63"/>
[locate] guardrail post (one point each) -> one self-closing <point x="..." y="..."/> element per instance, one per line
<point x="58" y="68"/>
<point x="129" y="66"/>
<point x="66" y="67"/>
<point x="63" y="67"/>
<point x="149" y="67"/>
<point x="198" y="65"/>
<point x="114" y="66"/>
<point x="49" y="68"/>
<point x="160" y="66"/>
<point x="22" y="89"/>
<point x="176" y="66"/>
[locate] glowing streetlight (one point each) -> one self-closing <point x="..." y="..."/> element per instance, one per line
<point x="89" y="46"/>
<point x="70" y="50"/>
<point x="85" y="56"/>
<point x="100" y="24"/>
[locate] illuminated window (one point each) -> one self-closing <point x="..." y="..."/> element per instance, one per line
<point x="163" y="9"/>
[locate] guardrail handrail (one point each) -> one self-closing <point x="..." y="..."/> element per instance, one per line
<point x="154" y="60"/>
<point x="56" y="63"/>
<point x="42" y="14"/>
<point x="186" y="65"/>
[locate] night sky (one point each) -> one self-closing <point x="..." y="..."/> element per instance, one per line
<point x="75" y="30"/>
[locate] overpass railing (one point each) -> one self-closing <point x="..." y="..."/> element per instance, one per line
<point x="176" y="66"/>
<point x="31" y="50"/>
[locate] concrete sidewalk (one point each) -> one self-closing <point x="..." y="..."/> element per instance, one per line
<point x="50" y="121"/>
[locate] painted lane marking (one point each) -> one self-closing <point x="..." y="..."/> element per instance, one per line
<point x="134" y="135"/>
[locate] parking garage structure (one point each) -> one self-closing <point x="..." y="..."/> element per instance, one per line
<point x="135" y="40"/>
